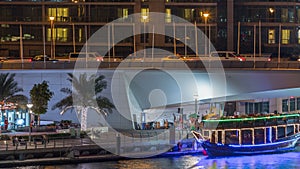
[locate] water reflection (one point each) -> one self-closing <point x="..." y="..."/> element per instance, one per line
<point x="277" y="161"/>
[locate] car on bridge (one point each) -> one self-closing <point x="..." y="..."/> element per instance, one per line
<point x="43" y="58"/>
<point x="88" y="56"/>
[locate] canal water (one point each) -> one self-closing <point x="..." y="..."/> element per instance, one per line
<point x="289" y="160"/>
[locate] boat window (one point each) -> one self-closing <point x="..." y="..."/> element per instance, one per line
<point x="290" y="130"/>
<point x="246" y="137"/>
<point x="213" y="137"/>
<point x="259" y="137"/>
<point x="231" y="137"/>
<point x="270" y="134"/>
<point x="206" y="133"/>
<point x="220" y="137"/>
<point x="280" y="132"/>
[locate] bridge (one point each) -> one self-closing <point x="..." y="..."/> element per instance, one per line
<point x="135" y="87"/>
<point x="227" y="64"/>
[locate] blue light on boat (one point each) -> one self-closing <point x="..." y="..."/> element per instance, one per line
<point x="258" y="145"/>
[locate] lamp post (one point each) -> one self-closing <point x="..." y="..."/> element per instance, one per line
<point x="205" y="25"/>
<point x="145" y="17"/>
<point x="196" y="103"/>
<point x="29" y="106"/>
<point x="51" y="36"/>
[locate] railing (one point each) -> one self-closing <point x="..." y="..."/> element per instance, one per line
<point x="226" y="64"/>
<point x="105" y="139"/>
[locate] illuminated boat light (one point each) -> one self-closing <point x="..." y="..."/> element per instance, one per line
<point x="259" y="145"/>
<point x="251" y="118"/>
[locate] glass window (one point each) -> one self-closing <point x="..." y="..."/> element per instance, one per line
<point x="285" y="105"/>
<point x="285" y="36"/>
<point x="189" y="14"/>
<point x="284" y="15"/>
<point x="298" y="103"/>
<point x="60" y="14"/>
<point x="145" y="15"/>
<point x="271" y="36"/>
<point x="298" y="36"/>
<point x="59" y="34"/>
<point x="123" y="13"/>
<point x="292" y="104"/>
<point x="168" y="15"/>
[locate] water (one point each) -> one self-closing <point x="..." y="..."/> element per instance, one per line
<point x="276" y="161"/>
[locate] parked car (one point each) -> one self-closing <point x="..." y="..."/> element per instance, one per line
<point x="43" y="58"/>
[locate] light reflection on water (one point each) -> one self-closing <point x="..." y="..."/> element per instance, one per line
<point x="278" y="161"/>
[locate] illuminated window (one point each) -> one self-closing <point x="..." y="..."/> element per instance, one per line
<point x="189" y="14"/>
<point x="123" y="13"/>
<point x="271" y="36"/>
<point x="298" y="35"/>
<point x="285" y="36"/>
<point x="145" y="12"/>
<point x="59" y="34"/>
<point x="168" y="15"/>
<point x="60" y="14"/>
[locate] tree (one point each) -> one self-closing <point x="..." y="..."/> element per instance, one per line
<point x="85" y="95"/>
<point x="9" y="89"/>
<point x="40" y="95"/>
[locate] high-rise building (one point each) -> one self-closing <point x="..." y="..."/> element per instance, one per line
<point x="58" y="27"/>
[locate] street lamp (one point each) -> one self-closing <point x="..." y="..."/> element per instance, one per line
<point x="205" y="25"/>
<point x="145" y="17"/>
<point x="52" y="42"/>
<point x="196" y="103"/>
<point x="29" y="106"/>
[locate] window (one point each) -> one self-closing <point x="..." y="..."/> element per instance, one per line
<point x="123" y="13"/>
<point x="285" y="105"/>
<point x="284" y="14"/>
<point x="285" y="38"/>
<point x="189" y="14"/>
<point x="298" y="103"/>
<point x="292" y="104"/>
<point x="59" y="34"/>
<point x="145" y="12"/>
<point x="298" y="36"/>
<point x="60" y="14"/>
<point x="168" y="15"/>
<point x="271" y="36"/>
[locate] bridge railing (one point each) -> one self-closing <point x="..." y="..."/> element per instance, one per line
<point x="226" y="64"/>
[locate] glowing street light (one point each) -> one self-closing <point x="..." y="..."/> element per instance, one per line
<point x="145" y="17"/>
<point x="52" y="41"/>
<point x="29" y="106"/>
<point x="206" y="15"/>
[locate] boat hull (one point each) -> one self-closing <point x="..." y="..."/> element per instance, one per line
<point x="280" y="146"/>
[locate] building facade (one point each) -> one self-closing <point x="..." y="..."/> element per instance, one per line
<point x="56" y="28"/>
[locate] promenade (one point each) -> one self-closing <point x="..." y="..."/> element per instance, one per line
<point x="108" y="147"/>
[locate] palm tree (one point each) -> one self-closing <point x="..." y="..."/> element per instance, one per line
<point x="9" y="90"/>
<point x="85" y="95"/>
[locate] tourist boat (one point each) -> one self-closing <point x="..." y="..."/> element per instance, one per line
<point x="249" y="135"/>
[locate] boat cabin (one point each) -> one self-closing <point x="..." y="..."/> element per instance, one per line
<point x="251" y="130"/>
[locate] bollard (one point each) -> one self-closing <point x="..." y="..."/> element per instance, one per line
<point x="118" y="147"/>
